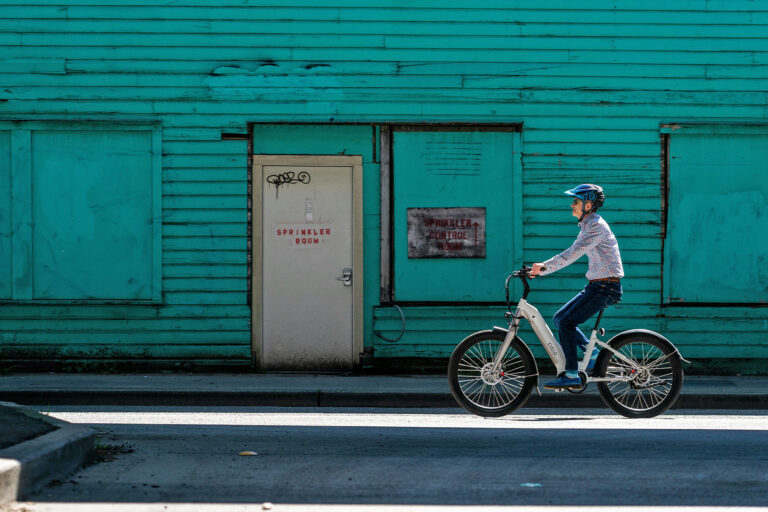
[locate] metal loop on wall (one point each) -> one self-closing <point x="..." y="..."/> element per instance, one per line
<point x="402" y="329"/>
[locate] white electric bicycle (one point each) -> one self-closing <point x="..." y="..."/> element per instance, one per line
<point x="638" y="372"/>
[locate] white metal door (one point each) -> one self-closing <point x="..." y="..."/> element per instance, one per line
<point x="308" y="270"/>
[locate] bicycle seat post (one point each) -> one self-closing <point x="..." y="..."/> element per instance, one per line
<point x="597" y="323"/>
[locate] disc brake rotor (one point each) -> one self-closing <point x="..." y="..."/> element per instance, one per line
<point x="489" y="376"/>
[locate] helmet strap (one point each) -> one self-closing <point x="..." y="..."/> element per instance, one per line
<point x="584" y="212"/>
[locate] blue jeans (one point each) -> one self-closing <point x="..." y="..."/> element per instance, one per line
<point x="593" y="298"/>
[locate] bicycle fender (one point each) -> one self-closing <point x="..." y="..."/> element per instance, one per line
<point x="535" y="364"/>
<point x="652" y="333"/>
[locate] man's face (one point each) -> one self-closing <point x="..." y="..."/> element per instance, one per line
<point x="576" y="207"/>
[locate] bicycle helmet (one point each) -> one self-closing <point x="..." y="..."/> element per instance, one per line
<point x="588" y="192"/>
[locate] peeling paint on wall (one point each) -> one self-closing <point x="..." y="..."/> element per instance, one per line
<point x="233" y="82"/>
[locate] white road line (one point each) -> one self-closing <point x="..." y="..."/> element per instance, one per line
<point x="320" y="418"/>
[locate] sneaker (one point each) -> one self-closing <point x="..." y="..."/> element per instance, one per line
<point x="564" y="382"/>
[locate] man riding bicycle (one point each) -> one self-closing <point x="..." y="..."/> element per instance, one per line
<point x="604" y="274"/>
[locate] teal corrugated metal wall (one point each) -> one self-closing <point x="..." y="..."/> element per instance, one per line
<point x="591" y="82"/>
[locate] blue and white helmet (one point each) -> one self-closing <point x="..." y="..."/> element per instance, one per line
<point x="589" y="192"/>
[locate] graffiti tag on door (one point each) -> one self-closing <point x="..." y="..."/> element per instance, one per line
<point x="287" y="178"/>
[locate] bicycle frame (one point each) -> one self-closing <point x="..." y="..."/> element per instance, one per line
<point x="554" y="350"/>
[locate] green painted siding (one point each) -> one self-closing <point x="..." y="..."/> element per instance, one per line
<point x="439" y="169"/>
<point x="6" y="268"/>
<point x="86" y="212"/>
<point x="718" y="210"/>
<point x="591" y="82"/>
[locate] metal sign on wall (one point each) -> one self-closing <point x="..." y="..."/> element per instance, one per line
<point x="446" y="232"/>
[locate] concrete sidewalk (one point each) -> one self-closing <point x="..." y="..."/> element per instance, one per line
<point x="310" y="390"/>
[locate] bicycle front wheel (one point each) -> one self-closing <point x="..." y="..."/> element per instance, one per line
<point x="647" y="388"/>
<point x="480" y="390"/>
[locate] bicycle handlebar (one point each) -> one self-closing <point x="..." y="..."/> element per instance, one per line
<point x="524" y="274"/>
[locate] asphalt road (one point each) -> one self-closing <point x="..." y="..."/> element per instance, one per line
<point x="426" y="457"/>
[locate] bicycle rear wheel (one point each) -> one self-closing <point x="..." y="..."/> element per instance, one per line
<point x="647" y="390"/>
<point x="481" y="391"/>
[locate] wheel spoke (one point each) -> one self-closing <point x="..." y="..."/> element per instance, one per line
<point x="651" y="379"/>
<point x="470" y="363"/>
<point x="480" y="385"/>
<point x="658" y="362"/>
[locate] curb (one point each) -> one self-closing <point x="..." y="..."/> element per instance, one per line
<point x="723" y="402"/>
<point x="347" y="399"/>
<point x="32" y="464"/>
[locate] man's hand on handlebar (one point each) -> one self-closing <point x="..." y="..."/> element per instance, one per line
<point x="536" y="270"/>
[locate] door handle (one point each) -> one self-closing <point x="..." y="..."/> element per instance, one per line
<point x="346" y="277"/>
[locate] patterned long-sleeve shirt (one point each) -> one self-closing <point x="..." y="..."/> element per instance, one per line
<point x="597" y="241"/>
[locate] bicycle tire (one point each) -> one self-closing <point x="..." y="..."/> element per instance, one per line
<point x="653" y="389"/>
<point x="483" y="394"/>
